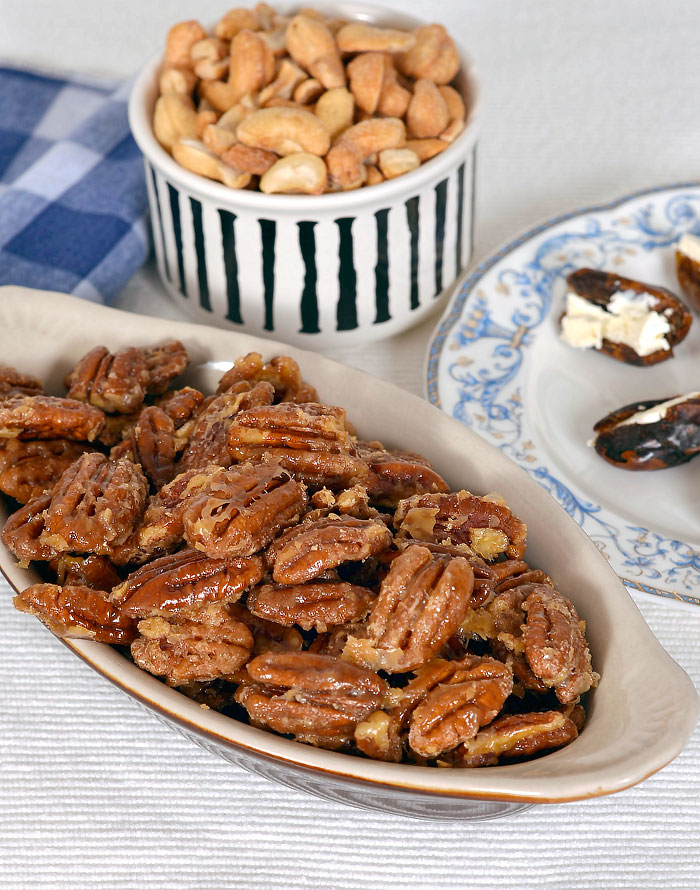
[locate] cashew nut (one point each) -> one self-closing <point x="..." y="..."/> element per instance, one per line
<point x="336" y="109"/>
<point x="312" y="46"/>
<point x="218" y="139"/>
<point x="374" y="176"/>
<point x="252" y="64"/>
<point x="266" y="15"/>
<point x="452" y="131"/>
<point x="427" y="113"/>
<point x="204" y="119"/>
<point x="210" y="48"/>
<point x="179" y="42"/>
<point x="366" y="73"/>
<point x="395" y="162"/>
<point x="248" y="160"/>
<point x="300" y="173"/>
<point x="212" y="69"/>
<point x="426" y="148"/>
<point x="394" y="98"/>
<point x="308" y="91"/>
<point x="284" y="131"/>
<point x="196" y="157"/>
<point x="234" y="21"/>
<point x="282" y="87"/>
<point x="359" y="142"/>
<point x="434" y="56"/>
<point x="359" y="37"/>
<point x="177" y="80"/>
<point x="174" y="118"/>
<point x="454" y="102"/>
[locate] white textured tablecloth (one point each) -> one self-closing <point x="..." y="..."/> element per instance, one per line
<point x="582" y="102"/>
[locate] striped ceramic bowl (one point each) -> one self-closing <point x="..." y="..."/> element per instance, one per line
<point x="315" y="271"/>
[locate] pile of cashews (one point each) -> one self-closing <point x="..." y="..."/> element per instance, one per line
<point x="306" y="104"/>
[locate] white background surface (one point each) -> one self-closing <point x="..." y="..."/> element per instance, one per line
<point x="582" y="102"/>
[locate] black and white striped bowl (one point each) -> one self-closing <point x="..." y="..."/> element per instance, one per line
<point x="315" y="271"/>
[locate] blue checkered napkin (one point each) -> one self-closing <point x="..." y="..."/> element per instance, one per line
<point x="72" y="189"/>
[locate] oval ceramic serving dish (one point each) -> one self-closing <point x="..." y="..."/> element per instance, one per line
<point x="641" y="714"/>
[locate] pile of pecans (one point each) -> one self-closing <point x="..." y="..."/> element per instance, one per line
<point x="249" y="549"/>
<point x="306" y="104"/>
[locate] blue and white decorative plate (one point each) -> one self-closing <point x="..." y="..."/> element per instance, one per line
<point x="496" y="363"/>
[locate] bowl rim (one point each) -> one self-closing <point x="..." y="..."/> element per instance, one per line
<point x="675" y="717"/>
<point x="387" y="191"/>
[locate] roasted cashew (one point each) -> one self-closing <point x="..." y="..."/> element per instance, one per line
<point x="427" y="114"/>
<point x="434" y="56"/>
<point x="313" y="47"/>
<point x="300" y="173"/>
<point x="359" y="37"/>
<point x="174" y="118"/>
<point x="285" y="131"/>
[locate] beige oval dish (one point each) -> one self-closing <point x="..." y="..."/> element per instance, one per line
<point x="641" y="714"/>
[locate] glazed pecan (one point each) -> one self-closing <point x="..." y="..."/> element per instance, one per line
<point x="152" y="444"/>
<point x="75" y="611"/>
<point x="514" y="572"/>
<point x="282" y="372"/>
<point x="484" y="523"/>
<point x="516" y="735"/>
<point x="22" y="533"/>
<point x="304" y="552"/>
<point x="85" y="571"/>
<point x="184" y="579"/>
<point x="95" y="505"/>
<point x="196" y="646"/>
<point x="485" y="575"/>
<point x="319" y="604"/>
<point x="183" y="407"/>
<point x="14" y="383"/>
<point x="117" y="427"/>
<point x="455" y="710"/>
<point x="309" y="440"/>
<point x="268" y="636"/>
<point x="421" y="603"/>
<point x="46" y="417"/>
<point x="317" y="698"/>
<point x="525" y="679"/>
<point x="164" y="364"/>
<point x="30" y="467"/>
<point x="240" y="510"/>
<point x="555" y="644"/>
<point x="501" y="619"/>
<point x="396" y="475"/>
<point x="115" y="383"/>
<point x="208" y="442"/>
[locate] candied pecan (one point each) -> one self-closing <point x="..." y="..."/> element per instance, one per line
<point x="30" y="467"/>
<point x="23" y="529"/>
<point x="187" y="578"/>
<point x="240" y="510"/>
<point x="199" y="646"/>
<point x="75" y="611"/>
<point x="317" y="698"/>
<point x="421" y="603"/>
<point x="183" y="407"/>
<point x="282" y="372"/>
<point x="268" y="636"/>
<point x="208" y="442"/>
<point x="516" y="735"/>
<point x="453" y="711"/>
<point x="501" y="619"/>
<point x="485" y="523"/>
<point x="115" y="383"/>
<point x="47" y="417"/>
<point x="85" y="571"/>
<point x="13" y="382"/>
<point x="95" y="505"/>
<point x="117" y="427"/>
<point x="152" y="444"/>
<point x="514" y="572"/>
<point x="555" y="644"/>
<point x="522" y="672"/>
<point x="164" y="364"/>
<point x="319" y="604"/>
<point x="484" y="574"/>
<point x="396" y="475"/>
<point x="309" y="440"/>
<point x="309" y="550"/>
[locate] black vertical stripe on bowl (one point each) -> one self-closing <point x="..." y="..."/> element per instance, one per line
<point x="228" y="245"/>
<point x="201" y="254"/>
<point x="346" y="312"/>
<point x="268" y="231"/>
<point x="413" y="217"/>
<point x="309" y="297"/>
<point x="460" y="219"/>
<point x="177" y="230"/>
<point x="473" y="204"/>
<point x="166" y="264"/>
<point x="381" y="270"/>
<point x="440" y="211"/>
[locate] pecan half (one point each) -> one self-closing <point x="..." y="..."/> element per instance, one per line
<point x="421" y="603"/>
<point x="307" y="551"/>
<point x="555" y="645"/>
<point x="184" y="579"/>
<point x="74" y="611"/>
<point x="30" y="467"/>
<point x="117" y="427"/>
<point x="96" y="504"/>
<point x="396" y="475"/>
<point x="484" y="523"/>
<point x="208" y="442"/>
<point x="85" y="571"/>
<point x="182" y="406"/>
<point x="47" y="417"/>
<point x="152" y="444"/>
<point x="516" y="735"/>
<point x="22" y="533"/>
<point x="197" y="647"/>
<point x="453" y="711"/>
<point x="13" y="382"/>
<point x="164" y="363"/>
<point x="240" y="510"/>
<point x="317" y="698"/>
<point x="282" y="372"/>
<point x="115" y="383"/>
<point x="310" y="440"/>
<point x="268" y="636"/>
<point x="319" y="605"/>
<point x="501" y="619"/>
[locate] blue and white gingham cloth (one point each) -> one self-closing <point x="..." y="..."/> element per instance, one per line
<point x="72" y="189"/>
